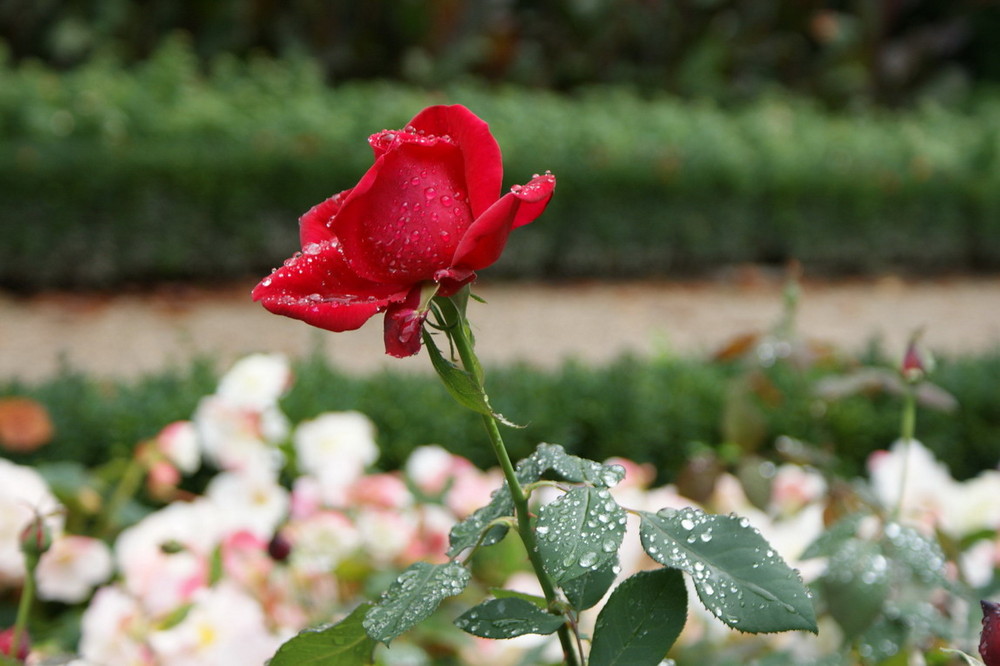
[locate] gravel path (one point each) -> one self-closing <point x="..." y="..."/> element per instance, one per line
<point x="129" y="334"/>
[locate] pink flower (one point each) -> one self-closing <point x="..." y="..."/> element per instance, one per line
<point x="427" y="214"/>
<point x="7" y="644"/>
<point x="178" y="442"/>
<point x="381" y="491"/>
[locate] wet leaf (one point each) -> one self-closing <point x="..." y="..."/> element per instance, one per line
<point x="641" y="621"/>
<point x="553" y="457"/>
<point x="738" y="576"/>
<point x="462" y="385"/>
<point x="413" y="597"/>
<point x="856" y="585"/>
<point x="585" y="591"/>
<point x="579" y="532"/>
<point x="508" y="618"/>
<point x="343" y="643"/>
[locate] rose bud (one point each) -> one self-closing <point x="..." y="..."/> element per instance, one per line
<point x="279" y="548"/>
<point x="7" y="644"/>
<point x="425" y="217"/>
<point x="36" y="538"/>
<point x="989" y="640"/>
<point x="917" y="361"/>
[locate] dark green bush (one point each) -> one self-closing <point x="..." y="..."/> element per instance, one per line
<point x="840" y="52"/>
<point x="649" y="411"/>
<point x="163" y="173"/>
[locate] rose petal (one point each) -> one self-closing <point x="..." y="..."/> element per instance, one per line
<point x="403" y="324"/>
<point x="319" y="288"/>
<point x="403" y="221"/>
<point x="486" y="238"/>
<point x="315" y="225"/>
<point x="483" y="163"/>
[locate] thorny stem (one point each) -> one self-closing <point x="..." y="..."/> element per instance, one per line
<point x="464" y="347"/>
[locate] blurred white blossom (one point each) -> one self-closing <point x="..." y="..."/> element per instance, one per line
<point x="71" y="569"/>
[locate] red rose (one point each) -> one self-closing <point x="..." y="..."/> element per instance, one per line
<point x="426" y="216"/>
<point x="989" y="640"/>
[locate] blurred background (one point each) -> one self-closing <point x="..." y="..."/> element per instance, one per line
<point x="154" y="140"/>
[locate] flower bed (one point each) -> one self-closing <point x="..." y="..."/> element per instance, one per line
<point x="232" y="531"/>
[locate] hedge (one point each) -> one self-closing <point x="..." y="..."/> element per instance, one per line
<point x="110" y="176"/>
<point x="658" y="411"/>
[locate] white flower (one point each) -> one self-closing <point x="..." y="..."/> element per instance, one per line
<point x="224" y="626"/>
<point x="113" y="630"/>
<point x="23" y="496"/>
<point x="321" y="541"/>
<point x="236" y="438"/>
<point x="979" y="562"/>
<point x="336" y="448"/>
<point x="164" y="558"/>
<point x="385" y="534"/>
<point x="927" y="482"/>
<point x="72" y="568"/>
<point x="430" y="467"/>
<point x="974" y="506"/>
<point x="253" y="502"/>
<point x="794" y="487"/>
<point x="255" y="382"/>
<point x="179" y="443"/>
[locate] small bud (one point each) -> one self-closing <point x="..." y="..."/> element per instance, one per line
<point x="36" y="538"/>
<point x="7" y="644"/>
<point x="989" y="640"/>
<point x="917" y="361"/>
<point x="279" y="548"/>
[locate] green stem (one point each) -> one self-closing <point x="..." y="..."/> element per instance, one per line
<point x="465" y="351"/>
<point x="23" y="609"/>
<point x="907" y="429"/>
<point x="127" y="487"/>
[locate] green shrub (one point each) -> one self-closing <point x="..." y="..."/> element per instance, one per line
<point x="162" y="172"/>
<point x="649" y="411"/>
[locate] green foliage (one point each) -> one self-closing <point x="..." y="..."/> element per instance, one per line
<point x="839" y="52"/>
<point x="579" y="532"/>
<point x="413" y="597"/>
<point x="508" y="618"/>
<point x="642" y="619"/>
<point x="346" y="642"/>
<point x="647" y="411"/>
<point x="737" y="574"/>
<point x="166" y="171"/>
<point x="877" y="583"/>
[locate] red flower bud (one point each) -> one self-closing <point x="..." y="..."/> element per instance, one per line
<point x="989" y="640"/>
<point x="7" y="644"/>
<point x="917" y="361"/>
<point x="279" y="548"/>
